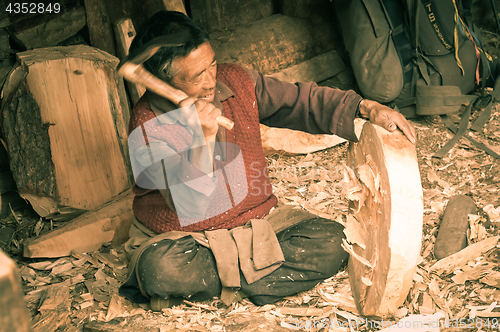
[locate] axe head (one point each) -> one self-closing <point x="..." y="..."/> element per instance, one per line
<point x="149" y="49"/>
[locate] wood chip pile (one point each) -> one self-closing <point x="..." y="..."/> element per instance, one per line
<point x="79" y="293"/>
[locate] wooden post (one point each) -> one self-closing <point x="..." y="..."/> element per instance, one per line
<point x="13" y="314"/>
<point x="99" y="24"/>
<point x="125" y="33"/>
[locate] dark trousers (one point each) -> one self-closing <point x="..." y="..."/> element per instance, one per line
<point x="184" y="268"/>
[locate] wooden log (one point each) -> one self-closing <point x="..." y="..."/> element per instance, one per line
<point x="124" y="34"/>
<point x="99" y="24"/>
<point x="273" y="43"/>
<point x="109" y="223"/>
<point x="52" y="32"/>
<point x="317" y="69"/>
<point x="13" y="313"/>
<point x="66" y="128"/>
<point x="215" y="15"/>
<point x="386" y="201"/>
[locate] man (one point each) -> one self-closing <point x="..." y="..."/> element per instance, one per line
<point x="205" y="224"/>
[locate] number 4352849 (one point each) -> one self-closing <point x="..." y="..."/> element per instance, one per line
<point x="33" y="8"/>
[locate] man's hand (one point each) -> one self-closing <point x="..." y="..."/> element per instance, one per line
<point x="387" y="118"/>
<point x="207" y="113"/>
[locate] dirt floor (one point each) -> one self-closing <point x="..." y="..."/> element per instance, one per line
<point x="67" y="293"/>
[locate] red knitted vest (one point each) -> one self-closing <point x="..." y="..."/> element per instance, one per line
<point x="150" y="207"/>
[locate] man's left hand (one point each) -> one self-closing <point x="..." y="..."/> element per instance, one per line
<point x="387" y="118"/>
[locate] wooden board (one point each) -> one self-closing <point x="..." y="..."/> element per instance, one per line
<point x="66" y="127"/>
<point x="386" y="214"/>
<point x="109" y="223"/>
<point x="13" y="313"/>
<point x="99" y="24"/>
<point x="291" y="142"/>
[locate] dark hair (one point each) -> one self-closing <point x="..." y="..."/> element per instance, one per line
<point x="165" y="23"/>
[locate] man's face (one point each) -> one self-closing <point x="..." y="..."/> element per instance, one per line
<point x="196" y="72"/>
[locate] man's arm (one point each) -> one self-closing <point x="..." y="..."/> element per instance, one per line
<point x="305" y="106"/>
<point x="314" y="109"/>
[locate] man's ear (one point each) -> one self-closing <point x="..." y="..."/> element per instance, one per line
<point x="170" y="70"/>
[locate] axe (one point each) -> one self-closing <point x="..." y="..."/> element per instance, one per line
<point x="132" y="69"/>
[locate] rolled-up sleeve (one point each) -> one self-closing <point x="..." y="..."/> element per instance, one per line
<point x="306" y="106"/>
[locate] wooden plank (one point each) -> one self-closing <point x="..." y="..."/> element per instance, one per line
<point x="451" y="263"/>
<point x="13" y="313"/>
<point x="386" y="199"/>
<point x="124" y="34"/>
<point x="99" y="24"/>
<point x="67" y="128"/>
<point x="109" y="223"/>
<point x="291" y="142"/>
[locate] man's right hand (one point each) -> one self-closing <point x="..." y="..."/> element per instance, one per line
<point x="207" y="113"/>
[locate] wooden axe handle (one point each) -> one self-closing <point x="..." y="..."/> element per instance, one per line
<point x="137" y="74"/>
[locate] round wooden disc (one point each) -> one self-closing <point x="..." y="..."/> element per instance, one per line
<point x="389" y="217"/>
